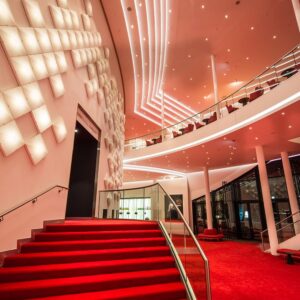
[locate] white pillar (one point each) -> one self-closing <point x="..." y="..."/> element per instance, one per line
<point x="207" y="199"/>
<point x="290" y="189"/>
<point x="215" y="83"/>
<point x="296" y="6"/>
<point x="267" y="199"/>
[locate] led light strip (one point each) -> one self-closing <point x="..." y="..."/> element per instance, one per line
<point x="220" y="133"/>
<point x="153" y="170"/>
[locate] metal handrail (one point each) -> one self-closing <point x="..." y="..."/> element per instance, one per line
<point x="227" y="98"/>
<point x="281" y="221"/>
<point x="287" y="225"/>
<point x="32" y="200"/>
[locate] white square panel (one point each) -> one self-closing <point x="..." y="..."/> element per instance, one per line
<point x="95" y="84"/>
<point x="59" y="129"/>
<point x="91" y="71"/>
<point x="91" y="39"/>
<point x="5" y="115"/>
<point x="43" y="39"/>
<point x="16" y="101"/>
<point x="6" y="17"/>
<point x="33" y="94"/>
<point x="55" y="40"/>
<point x="57" y="17"/>
<point x="83" y="57"/>
<point x="61" y="61"/>
<point x="34" y="14"/>
<point x="36" y="148"/>
<point x="41" y="118"/>
<point x="57" y="86"/>
<point x="89" y="89"/>
<point x="10" y="138"/>
<point x="75" y="20"/>
<point x="51" y="64"/>
<point x="22" y="69"/>
<point x="86" y="22"/>
<point x="76" y="57"/>
<point x="88" y="7"/>
<point x="73" y="40"/>
<point x="39" y="66"/>
<point x="79" y="38"/>
<point x="11" y="41"/>
<point x="64" y="37"/>
<point x="30" y="41"/>
<point x="86" y="39"/>
<point x="62" y="3"/>
<point x="67" y="18"/>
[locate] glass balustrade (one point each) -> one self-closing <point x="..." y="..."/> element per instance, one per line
<point x="283" y="69"/>
<point x="153" y="203"/>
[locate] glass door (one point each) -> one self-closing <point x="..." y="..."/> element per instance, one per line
<point x="244" y="221"/>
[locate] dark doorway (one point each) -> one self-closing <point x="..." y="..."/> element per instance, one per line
<point x="81" y="197"/>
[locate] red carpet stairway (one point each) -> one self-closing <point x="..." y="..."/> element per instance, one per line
<point x="93" y="260"/>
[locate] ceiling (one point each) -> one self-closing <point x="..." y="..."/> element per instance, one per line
<point x="244" y="36"/>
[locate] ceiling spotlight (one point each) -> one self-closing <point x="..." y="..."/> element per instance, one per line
<point x="202" y="6"/>
<point x="132" y="26"/>
<point x="283" y="113"/>
<point x="247" y="58"/>
<point x="206" y="39"/>
<point x="252" y="27"/>
<point x="228" y="50"/>
<point x="250" y="128"/>
<point x="256" y="138"/>
<point x="226" y="16"/>
<point x="173" y="69"/>
<point x="189" y="55"/>
<point x="191" y="78"/>
<point x="140" y="4"/>
<point x="290" y="126"/>
<point x="274" y="37"/>
<point x="170" y="11"/>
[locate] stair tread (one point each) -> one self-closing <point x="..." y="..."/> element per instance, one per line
<point x="146" y="292"/>
<point x="74" y="268"/>
<point x="99" y="253"/>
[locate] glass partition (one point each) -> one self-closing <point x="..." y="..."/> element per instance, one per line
<point x="280" y="71"/>
<point x="153" y="203"/>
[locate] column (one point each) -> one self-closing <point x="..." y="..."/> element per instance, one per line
<point x="207" y="199"/>
<point x="215" y="83"/>
<point x="296" y="6"/>
<point x="291" y="189"/>
<point x="267" y="199"/>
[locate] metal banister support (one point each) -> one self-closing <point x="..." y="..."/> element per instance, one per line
<point x="32" y="200"/>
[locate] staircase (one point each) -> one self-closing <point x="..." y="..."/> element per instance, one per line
<point x="93" y="259"/>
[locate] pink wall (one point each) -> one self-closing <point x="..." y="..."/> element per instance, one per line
<point x="20" y="179"/>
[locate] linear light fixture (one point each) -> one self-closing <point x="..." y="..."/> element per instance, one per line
<point x="153" y="170"/>
<point x="36" y="148"/>
<point x="220" y="133"/>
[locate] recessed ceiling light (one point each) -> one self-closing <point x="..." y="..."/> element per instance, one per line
<point x="206" y="152"/>
<point x="170" y="10"/>
<point x="247" y="58"/>
<point x="226" y="16"/>
<point x="250" y="128"/>
<point x="228" y="50"/>
<point x="191" y="78"/>
<point x="144" y="39"/>
<point x="204" y="86"/>
<point x="173" y="69"/>
<point x="132" y="26"/>
<point x="274" y="37"/>
<point x="252" y="27"/>
<point x="140" y="4"/>
<point x="174" y="88"/>
<point x="256" y="138"/>
<point x="283" y="113"/>
<point x="206" y="39"/>
<point x="202" y="6"/>
<point x="208" y="66"/>
<point x="189" y="56"/>
<point x="187" y="96"/>
<point x="290" y="126"/>
<point x="230" y="158"/>
<point x="224" y="138"/>
<point x="225" y="74"/>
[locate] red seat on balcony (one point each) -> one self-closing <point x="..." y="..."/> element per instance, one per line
<point x="158" y="140"/>
<point x="272" y="83"/>
<point x="258" y="92"/>
<point x="189" y="128"/>
<point x="212" y="118"/>
<point x="176" y="134"/>
<point x="231" y="108"/>
<point x="211" y="235"/>
<point x="198" y="125"/>
<point x="149" y="143"/>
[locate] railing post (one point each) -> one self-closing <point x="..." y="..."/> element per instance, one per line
<point x="208" y="199"/>
<point x="215" y="83"/>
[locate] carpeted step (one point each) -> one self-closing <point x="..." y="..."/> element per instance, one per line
<point x="26" y="259"/>
<point x="95" y="235"/>
<point x="167" y="291"/>
<point x="100" y="226"/>
<point x="84" y="268"/>
<point x="81" y="284"/>
<point x="90" y="244"/>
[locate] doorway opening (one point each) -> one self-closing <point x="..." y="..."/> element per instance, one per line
<point x="83" y="178"/>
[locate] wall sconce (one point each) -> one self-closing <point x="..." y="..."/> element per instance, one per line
<point x="10" y="138"/>
<point x="41" y="118"/>
<point x="67" y="18"/>
<point x="43" y="38"/>
<point x="64" y="37"/>
<point x="6" y="17"/>
<point x="55" y="39"/>
<point x="33" y="13"/>
<point x="75" y="19"/>
<point x="86" y="22"/>
<point x="62" y="3"/>
<point x="36" y="148"/>
<point x="11" y="41"/>
<point x="89" y="89"/>
<point x="33" y="94"/>
<point x="61" y="61"/>
<point x="88" y="7"/>
<point x="39" y="67"/>
<point x="72" y="38"/>
<point x="57" y="85"/>
<point x="16" y="102"/>
<point x="51" y="64"/>
<point x="30" y="41"/>
<point x="5" y="115"/>
<point x="79" y="38"/>
<point x="59" y="129"/>
<point x="57" y="17"/>
<point x="76" y="57"/>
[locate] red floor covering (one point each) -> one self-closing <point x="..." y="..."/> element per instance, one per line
<point x="240" y="270"/>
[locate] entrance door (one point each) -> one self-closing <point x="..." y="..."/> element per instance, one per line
<point x="82" y="194"/>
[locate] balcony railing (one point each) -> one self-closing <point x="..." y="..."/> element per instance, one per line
<point x="280" y="71"/>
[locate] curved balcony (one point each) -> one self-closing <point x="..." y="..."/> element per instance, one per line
<point x="266" y="82"/>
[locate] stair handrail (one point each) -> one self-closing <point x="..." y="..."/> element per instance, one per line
<point x="281" y="221"/>
<point x="32" y="199"/>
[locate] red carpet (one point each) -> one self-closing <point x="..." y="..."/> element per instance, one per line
<point x="240" y="270"/>
<point x="93" y="260"/>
